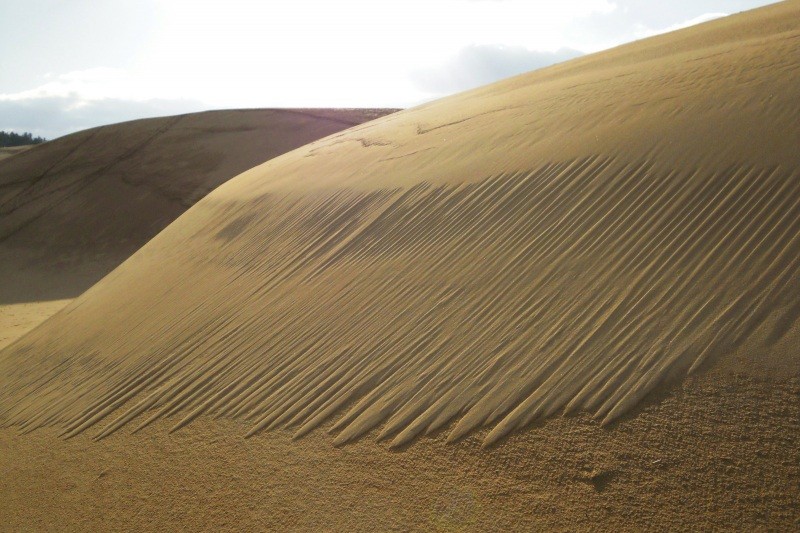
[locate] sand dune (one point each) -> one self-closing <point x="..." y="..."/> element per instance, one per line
<point x="566" y="240"/>
<point x="76" y="207"/>
<point x="115" y="187"/>
<point x="8" y="151"/>
<point x="571" y="241"/>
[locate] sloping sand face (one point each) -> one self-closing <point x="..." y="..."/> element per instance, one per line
<point x="73" y="209"/>
<point x="114" y="187"/>
<point x="8" y="151"/>
<point x="562" y="242"/>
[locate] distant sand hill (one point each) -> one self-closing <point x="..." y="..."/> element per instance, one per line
<point x="8" y="151"/>
<point x="73" y="209"/>
<point x="615" y="237"/>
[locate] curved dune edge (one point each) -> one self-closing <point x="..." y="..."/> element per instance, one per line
<point x="110" y="189"/>
<point x="73" y="209"/>
<point x="563" y="241"/>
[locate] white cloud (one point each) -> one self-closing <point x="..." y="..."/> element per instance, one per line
<point x="479" y="65"/>
<point x="305" y="53"/>
<point x="267" y="53"/>
<point x="643" y="32"/>
<point x="53" y="116"/>
<point x="86" y="98"/>
<point x="96" y="83"/>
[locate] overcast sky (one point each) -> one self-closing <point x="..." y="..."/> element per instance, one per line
<point x="67" y="65"/>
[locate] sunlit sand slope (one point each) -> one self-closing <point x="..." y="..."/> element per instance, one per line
<point x="559" y="242"/>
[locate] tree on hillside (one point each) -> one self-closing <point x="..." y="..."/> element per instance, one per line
<point x="16" y="139"/>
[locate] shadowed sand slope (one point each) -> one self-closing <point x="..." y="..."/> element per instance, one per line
<point x="563" y="241"/>
<point x="73" y="209"/>
<point x="115" y="187"/>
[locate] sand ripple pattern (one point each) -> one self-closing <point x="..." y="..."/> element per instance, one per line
<point x="580" y="285"/>
<point x="565" y="241"/>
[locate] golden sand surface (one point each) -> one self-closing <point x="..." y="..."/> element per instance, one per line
<point x="710" y="454"/>
<point x="540" y="290"/>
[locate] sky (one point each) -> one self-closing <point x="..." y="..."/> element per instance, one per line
<point x="67" y="65"/>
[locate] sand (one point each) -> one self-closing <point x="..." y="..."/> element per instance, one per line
<point x="8" y="151"/>
<point x="540" y="290"/>
<point x="706" y="457"/>
<point x="18" y="319"/>
<point x="74" y="208"/>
